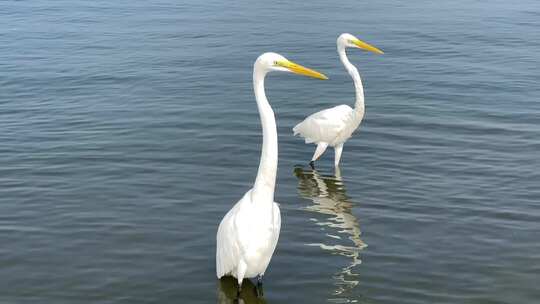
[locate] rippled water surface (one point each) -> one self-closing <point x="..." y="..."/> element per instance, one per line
<point x="128" y="129"/>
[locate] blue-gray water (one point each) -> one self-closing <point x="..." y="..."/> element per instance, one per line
<point x="128" y="129"/>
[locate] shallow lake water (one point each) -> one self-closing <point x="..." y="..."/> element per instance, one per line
<point x="128" y="129"/>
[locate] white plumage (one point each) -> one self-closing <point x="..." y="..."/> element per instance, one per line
<point x="333" y="127"/>
<point x="248" y="234"/>
<point x="247" y="237"/>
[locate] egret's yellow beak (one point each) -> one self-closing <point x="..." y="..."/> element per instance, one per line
<point x="298" y="69"/>
<point x="365" y="46"/>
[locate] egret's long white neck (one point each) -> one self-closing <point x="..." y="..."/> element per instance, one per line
<point x="359" y="88"/>
<point x="263" y="190"/>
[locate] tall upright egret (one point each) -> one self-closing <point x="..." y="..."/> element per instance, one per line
<point x="334" y="126"/>
<point x="248" y="234"/>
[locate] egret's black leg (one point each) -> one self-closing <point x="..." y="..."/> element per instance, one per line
<point x="260" y="292"/>
<point x="312" y="164"/>
<point x="238" y="292"/>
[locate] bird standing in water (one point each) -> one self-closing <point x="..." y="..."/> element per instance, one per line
<point x="249" y="232"/>
<point x="334" y="126"/>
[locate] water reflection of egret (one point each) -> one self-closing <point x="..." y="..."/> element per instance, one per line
<point x="329" y="198"/>
<point x="227" y="292"/>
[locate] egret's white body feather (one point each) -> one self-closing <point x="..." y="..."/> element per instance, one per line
<point x="332" y="126"/>
<point x="247" y="235"/>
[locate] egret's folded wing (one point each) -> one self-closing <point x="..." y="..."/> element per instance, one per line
<point x="325" y="125"/>
<point x="227" y="251"/>
<point x="277" y="224"/>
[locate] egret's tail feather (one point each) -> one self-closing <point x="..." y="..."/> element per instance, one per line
<point x="296" y="129"/>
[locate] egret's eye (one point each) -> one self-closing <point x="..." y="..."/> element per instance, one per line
<point x="276" y="63"/>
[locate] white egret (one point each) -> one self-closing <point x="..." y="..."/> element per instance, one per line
<point x="334" y="126"/>
<point x="248" y="234"/>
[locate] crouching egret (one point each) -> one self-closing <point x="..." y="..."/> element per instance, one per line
<point x="248" y="234"/>
<point x="334" y="126"/>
